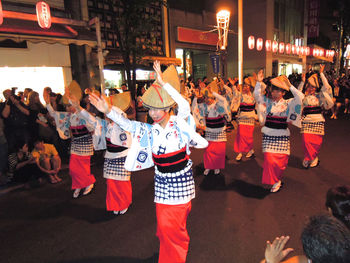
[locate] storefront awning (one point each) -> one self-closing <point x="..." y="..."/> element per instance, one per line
<point x="20" y="30"/>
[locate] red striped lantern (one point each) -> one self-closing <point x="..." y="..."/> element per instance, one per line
<point x="307" y="52"/>
<point x="251" y="42"/>
<point x="43" y="14"/>
<point x="1" y="14"/>
<point x="297" y="50"/>
<point x="321" y="52"/>
<point x="274" y="46"/>
<point x="315" y="52"/>
<point x="259" y="44"/>
<point x="281" y="48"/>
<point x="302" y="51"/>
<point x="268" y="45"/>
<point x="293" y="49"/>
<point x="288" y="48"/>
<point x="332" y="53"/>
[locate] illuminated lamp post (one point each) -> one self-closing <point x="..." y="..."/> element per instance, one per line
<point x="43" y="14"/>
<point x="288" y="48"/>
<point x="268" y="45"/>
<point x="259" y="44"/>
<point x="251" y="42"/>
<point x="274" y="46"/>
<point x="281" y="48"/>
<point x="223" y="20"/>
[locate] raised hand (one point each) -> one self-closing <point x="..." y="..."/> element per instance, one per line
<point x="322" y="68"/>
<point x="46" y="96"/>
<point x="274" y="252"/>
<point x="100" y="103"/>
<point x="157" y="69"/>
<point x="260" y="75"/>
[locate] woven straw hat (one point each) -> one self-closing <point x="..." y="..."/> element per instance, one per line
<point x="121" y="100"/>
<point x="156" y="97"/>
<point x="74" y="90"/>
<point x="251" y="81"/>
<point x="280" y="82"/>
<point x="214" y="86"/>
<point x="313" y="80"/>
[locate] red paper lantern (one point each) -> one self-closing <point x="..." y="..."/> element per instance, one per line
<point x="43" y="14"/>
<point x="294" y="49"/>
<point x="315" y="52"/>
<point x="251" y="42"/>
<point x="288" y="48"/>
<point x="268" y="45"/>
<point x="281" y="48"/>
<point x="274" y="46"/>
<point x="307" y="51"/>
<point x="321" y="52"/>
<point x="1" y="14"/>
<point x="297" y="50"/>
<point x="259" y="44"/>
<point x="332" y="53"/>
<point x="302" y="51"/>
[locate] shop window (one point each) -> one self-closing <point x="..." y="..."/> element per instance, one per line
<point x="8" y="43"/>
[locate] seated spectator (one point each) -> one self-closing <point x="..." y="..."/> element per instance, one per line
<point x="22" y="167"/>
<point x="47" y="159"/>
<point x="338" y="203"/>
<point x="325" y="240"/>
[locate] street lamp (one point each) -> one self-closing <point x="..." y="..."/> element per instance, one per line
<point x="223" y="20"/>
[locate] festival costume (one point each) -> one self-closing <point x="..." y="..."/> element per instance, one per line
<point x="70" y="125"/>
<point x="312" y="123"/>
<point x="116" y="142"/>
<point x="168" y="150"/>
<point x="275" y="116"/>
<point x="213" y="117"/>
<point x="246" y="120"/>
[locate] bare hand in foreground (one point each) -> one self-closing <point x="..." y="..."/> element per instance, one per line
<point x="100" y="103"/>
<point x="157" y="69"/>
<point x="274" y="252"/>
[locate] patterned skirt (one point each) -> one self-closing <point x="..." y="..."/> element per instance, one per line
<point x="276" y="144"/>
<point x="114" y="169"/>
<point x="82" y="146"/>
<point x="312" y="127"/>
<point x="174" y="188"/>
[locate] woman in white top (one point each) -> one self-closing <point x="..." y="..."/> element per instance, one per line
<point x="167" y="141"/>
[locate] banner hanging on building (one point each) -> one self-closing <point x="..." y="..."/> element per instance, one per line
<point x="215" y="63"/>
<point x="313" y="22"/>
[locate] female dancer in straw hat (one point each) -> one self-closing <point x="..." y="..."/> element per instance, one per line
<point x="312" y="124"/>
<point x="70" y="124"/>
<point x="167" y="141"/>
<point x="211" y="113"/>
<point x="275" y="113"/>
<point x="116" y="141"/>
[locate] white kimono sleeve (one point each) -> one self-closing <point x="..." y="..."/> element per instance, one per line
<point x="261" y="102"/>
<point x="295" y="107"/>
<point x="61" y="121"/>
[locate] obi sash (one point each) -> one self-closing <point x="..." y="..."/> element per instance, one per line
<point x="246" y="107"/>
<point x="312" y="110"/>
<point x="79" y="131"/>
<point x="274" y="122"/>
<point x="217" y="122"/>
<point x="113" y="148"/>
<point x="171" y="162"/>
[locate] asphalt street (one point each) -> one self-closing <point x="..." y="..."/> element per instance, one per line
<point x="232" y="215"/>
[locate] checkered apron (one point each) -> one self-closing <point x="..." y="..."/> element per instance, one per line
<point x="174" y="188"/>
<point x="114" y="169"/>
<point x="312" y="127"/>
<point x="82" y="146"/>
<point x="276" y="144"/>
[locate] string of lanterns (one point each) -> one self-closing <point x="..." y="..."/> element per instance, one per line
<point x="282" y="48"/>
<point x="42" y="12"/>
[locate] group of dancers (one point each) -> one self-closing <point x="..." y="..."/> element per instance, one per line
<point x="131" y="145"/>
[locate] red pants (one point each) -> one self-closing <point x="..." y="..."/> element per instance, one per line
<point x="244" y="138"/>
<point x="274" y="165"/>
<point x="311" y="145"/>
<point x="172" y="232"/>
<point x="79" y="170"/>
<point x="214" y="155"/>
<point x="119" y="195"/>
